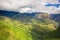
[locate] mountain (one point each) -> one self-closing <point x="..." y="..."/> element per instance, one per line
<point x="43" y="15"/>
<point x="38" y="15"/>
<point x="13" y="14"/>
<point x="55" y="17"/>
<point x="26" y="26"/>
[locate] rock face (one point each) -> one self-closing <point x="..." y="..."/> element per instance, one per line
<point x="42" y="15"/>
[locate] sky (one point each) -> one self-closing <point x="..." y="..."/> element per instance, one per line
<point x="29" y="6"/>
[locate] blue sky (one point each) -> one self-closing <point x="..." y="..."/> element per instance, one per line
<point x="29" y="6"/>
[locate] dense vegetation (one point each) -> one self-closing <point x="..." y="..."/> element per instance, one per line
<point x="26" y="29"/>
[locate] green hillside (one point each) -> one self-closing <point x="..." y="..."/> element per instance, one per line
<point x="26" y="29"/>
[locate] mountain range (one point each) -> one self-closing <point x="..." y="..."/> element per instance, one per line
<point x="18" y="15"/>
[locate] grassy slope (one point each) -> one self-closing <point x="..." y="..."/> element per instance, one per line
<point x="26" y="29"/>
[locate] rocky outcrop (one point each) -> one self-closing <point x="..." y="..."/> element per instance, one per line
<point x="42" y="15"/>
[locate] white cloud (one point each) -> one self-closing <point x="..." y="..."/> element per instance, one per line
<point x="57" y="10"/>
<point x="27" y="9"/>
<point x="38" y="5"/>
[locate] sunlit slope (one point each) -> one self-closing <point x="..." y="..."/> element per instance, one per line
<point x="25" y="28"/>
